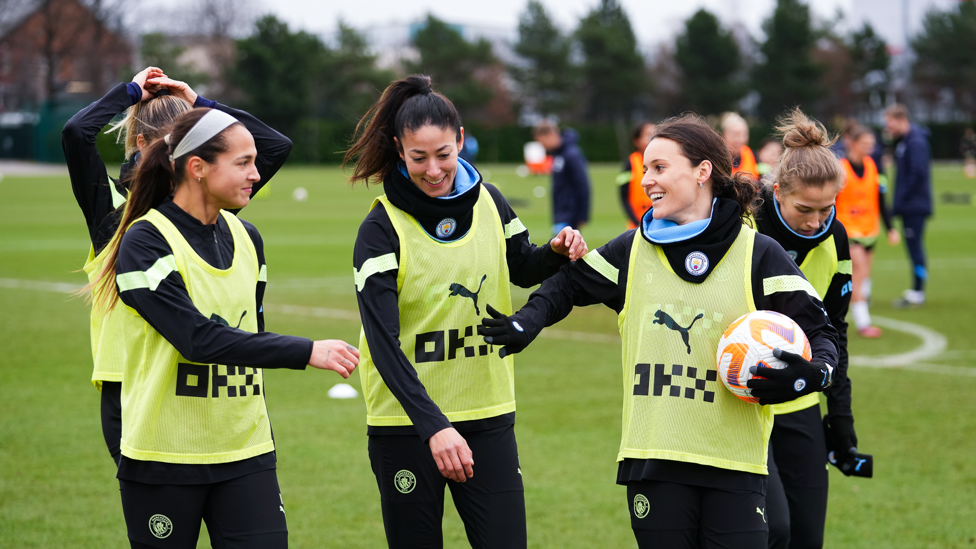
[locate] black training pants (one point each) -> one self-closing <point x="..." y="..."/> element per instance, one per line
<point x="112" y="418"/>
<point x="242" y="513"/>
<point x="491" y="503"/>
<point x="796" y="501"/>
<point x="668" y="515"/>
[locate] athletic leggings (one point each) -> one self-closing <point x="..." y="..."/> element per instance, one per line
<point x="669" y="515"/>
<point x="241" y="513"/>
<point x="796" y="501"/>
<point x="491" y="503"/>
<point x="112" y="418"/>
<point x="914" y="226"/>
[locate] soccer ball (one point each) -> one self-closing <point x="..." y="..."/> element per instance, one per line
<point x="749" y="341"/>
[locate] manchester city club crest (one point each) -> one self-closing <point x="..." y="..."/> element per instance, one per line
<point x="160" y="526"/>
<point x="696" y="263"/>
<point x="405" y="481"/>
<point x="446" y="227"/>
<point x="792" y="254"/>
<point x="641" y="506"/>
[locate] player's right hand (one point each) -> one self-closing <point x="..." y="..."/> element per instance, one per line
<point x="335" y="355"/>
<point x="504" y="332"/>
<point x="452" y="454"/>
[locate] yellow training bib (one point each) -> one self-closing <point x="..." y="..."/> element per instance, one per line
<point x="442" y="291"/>
<point x="675" y="407"/>
<point x="178" y="411"/>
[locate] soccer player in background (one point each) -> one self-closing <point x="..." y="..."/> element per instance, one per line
<point x="798" y="212"/>
<point x="151" y="102"/>
<point x="913" y="195"/>
<point x="632" y="196"/>
<point x="860" y="206"/>
<point x="196" y="438"/>
<point x="768" y="153"/>
<point x="570" y="177"/>
<point x="735" y="132"/>
<point x="692" y="454"/>
<point x="434" y="251"/>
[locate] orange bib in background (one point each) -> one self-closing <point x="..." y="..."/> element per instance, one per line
<point x="639" y="202"/>
<point x="747" y="163"/>
<point x="857" y="205"/>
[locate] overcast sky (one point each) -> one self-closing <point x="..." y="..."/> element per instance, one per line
<point x="653" y="20"/>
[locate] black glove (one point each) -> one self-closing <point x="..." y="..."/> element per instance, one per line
<point x="501" y="330"/>
<point x="842" y="447"/>
<point x="800" y="377"/>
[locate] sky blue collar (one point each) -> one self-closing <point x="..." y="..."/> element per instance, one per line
<point x="663" y="231"/>
<point x="823" y="226"/>
<point x="464" y="179"/>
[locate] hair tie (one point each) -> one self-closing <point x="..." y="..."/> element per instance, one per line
<point x="426" y="90"/>
<point x="162" y="91"/>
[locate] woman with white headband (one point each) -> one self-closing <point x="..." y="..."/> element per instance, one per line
<point x="196" y="439"/>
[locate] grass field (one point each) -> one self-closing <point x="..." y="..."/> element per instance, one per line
<point x="57" y="485"/>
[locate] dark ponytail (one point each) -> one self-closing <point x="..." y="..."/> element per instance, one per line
<point x="699" y="142"/>
<point x="156" y="179"/>
<point x="406" y="105"/>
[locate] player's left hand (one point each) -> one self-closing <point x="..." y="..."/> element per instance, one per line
<point x="501" y="330"/>
<point x="175" y="87"/>
<point x="800" y="377"/>
<point x="894" y="237"/>
<point x="569" y="242"/>
<point x="842" y="431"/>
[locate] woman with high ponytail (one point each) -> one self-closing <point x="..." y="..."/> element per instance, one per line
<point x="692" y="455"/>
<point x="798" y="213"/>
<point x="196" y="440"/>
<point x="150" y="103"/>
<point x="435" y="253"/>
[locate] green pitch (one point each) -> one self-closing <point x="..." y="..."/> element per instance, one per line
<point x="57" y="485"/>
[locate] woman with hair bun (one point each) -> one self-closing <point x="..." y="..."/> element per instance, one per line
<point x="692" y="454"/>
<point x="196" y="439"/>
<point x="798" y="212"/>
<point x="435" y="253"/>
<point x="150" y="103"/>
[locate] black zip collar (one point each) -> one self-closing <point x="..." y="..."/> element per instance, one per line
<point x="695" y="258"/>
<point x="430" y="212"/>
<point x="770" y="224"/>
<point x="214" y="243"/>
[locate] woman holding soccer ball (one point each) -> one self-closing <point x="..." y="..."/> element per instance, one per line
<point x="151" y="102"/>
<point x="798" y="212"/>
<point x="692" y="454"/>
<point x="434" y="251"/>
<point x="196" y="438"/>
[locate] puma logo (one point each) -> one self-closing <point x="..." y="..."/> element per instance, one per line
<point x="216" y="318"/>
<point x="762" y="512"/>
<point x="662" y="317"/>
<point x="458" y="289"/>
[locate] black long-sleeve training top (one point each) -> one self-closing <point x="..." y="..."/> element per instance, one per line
<point x="528" y="265"/>
<point x="837" y="298"/>
<point x="580" y="284"/>
<point x="99" y="195"/>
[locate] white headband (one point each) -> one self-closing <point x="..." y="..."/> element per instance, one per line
<point x="204" y="130"/>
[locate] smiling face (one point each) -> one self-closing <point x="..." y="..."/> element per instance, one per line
<point x="230" y="178"/>
<point x="431" y="156"/>
<point x="671" y="182"/>
<point x="805" y="209"/>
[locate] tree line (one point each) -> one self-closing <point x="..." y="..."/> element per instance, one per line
<point x="595" y="74"/>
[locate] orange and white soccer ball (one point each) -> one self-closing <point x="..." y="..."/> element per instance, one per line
<point x="749" y="341"/>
